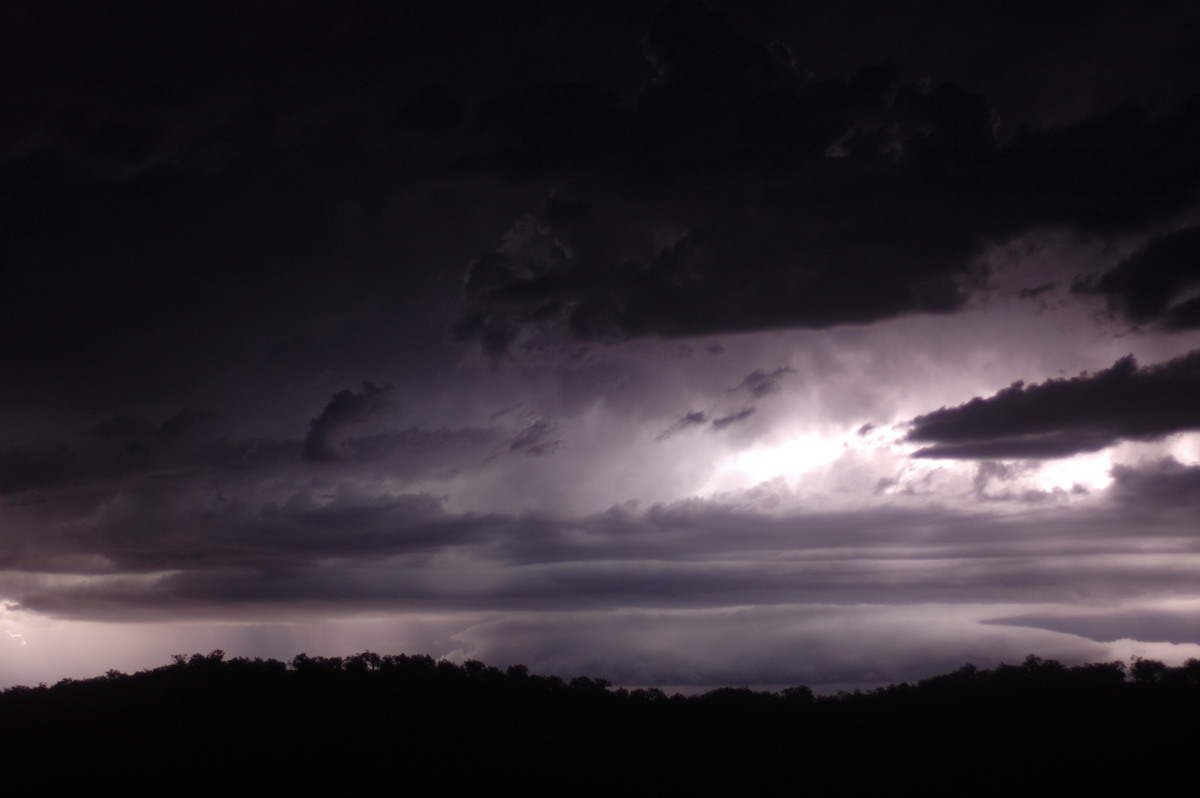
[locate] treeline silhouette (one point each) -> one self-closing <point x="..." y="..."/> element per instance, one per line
<point x="423" y="724"/>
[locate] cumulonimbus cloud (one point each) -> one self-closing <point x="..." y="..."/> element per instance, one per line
<point x="345" y="409"/>
<point x="734" y="194"/>
<point x="1152" y="286"/>
<point x="760" y="383"/>
<point x="1059" y="418"/>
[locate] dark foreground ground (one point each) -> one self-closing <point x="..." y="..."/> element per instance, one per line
<point x="414" y="725"/>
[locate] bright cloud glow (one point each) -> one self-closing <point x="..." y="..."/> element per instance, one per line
<point x="1186" y="448"/>
<point x="1090" y="471"/>
<point x="789" y="459"/>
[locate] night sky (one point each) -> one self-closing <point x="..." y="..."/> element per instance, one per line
<point x="833" y="343"/>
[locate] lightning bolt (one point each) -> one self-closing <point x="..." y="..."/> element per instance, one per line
<point x="16" y="636"/>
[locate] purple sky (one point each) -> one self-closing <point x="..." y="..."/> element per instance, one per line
<point x="825" y="343"/>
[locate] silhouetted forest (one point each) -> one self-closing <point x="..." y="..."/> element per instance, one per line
<point x="422" y="724"/>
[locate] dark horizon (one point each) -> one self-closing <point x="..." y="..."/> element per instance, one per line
<point x="1037" y="727"/>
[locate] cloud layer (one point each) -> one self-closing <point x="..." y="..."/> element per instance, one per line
<point x="1157" y="284"/>
<point x="735" y="194"/>
<point x="1067" y="416"/>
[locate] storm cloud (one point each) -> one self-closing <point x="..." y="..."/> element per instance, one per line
<point x="760" y="383"/>
<point x="1166" y="483"/>
<point x="656" y="303"/>
<point x="1062" y="417"/>
<point x="755" y="198"/>
<point x="346" y="409"/>
<point x="1157" y="283"/>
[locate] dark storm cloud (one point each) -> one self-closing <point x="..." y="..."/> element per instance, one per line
<point x="1150" y="286"/>
<point x="413" y="450"/>
<point x="766" y="199"/>
<point x="692" y="418"/>
<point x="152" y="527"/>
<point x="1062" y="417"/>
<point x="125" y="90"/>
<point x="128" y="446"/>
<point x="152" y="552"/>
<point x="1167" y="483"/>
<point x="25" y="469"/>
<point x="192" y="448"/>
<point x="139" y="435"/>
<point x="761" y="383"/>
<point x="536" y="440"/>
<point x="732" y="191"/>
<point x="182" y="185"/>
<point x="730" y="419"/>
<point x="699" y="418"/>
<point x="346" y="409"/>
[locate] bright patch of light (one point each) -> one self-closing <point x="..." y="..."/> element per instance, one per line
<point x="1090" y="471"/>
<point x="789" y="459"/>
<point x="1186" y="449"/>
<point x="7" y="625"/>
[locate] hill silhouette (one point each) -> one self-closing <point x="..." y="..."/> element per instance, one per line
<point x="419" y="724"/>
